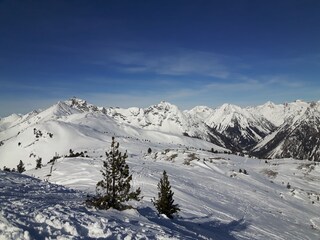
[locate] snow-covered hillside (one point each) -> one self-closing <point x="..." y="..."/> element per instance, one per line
<point x="216" y="201"/>
<point x="78" y="126"/>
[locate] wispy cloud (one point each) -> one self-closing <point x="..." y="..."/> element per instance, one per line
<point x="245" y="92"/>
<point x="176" y="63"/>
<point x="244" y="89"/>
<point x="53" y="86"/>
<point x="260" y="82"/>
<point x="284" y="81"/>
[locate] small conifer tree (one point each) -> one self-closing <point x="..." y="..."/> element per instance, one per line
<point x="149" y="151"/>
<point x="39" y="163"/>
<point x="164" y="203"/>
<point x="20" y="167"/>
<point x="288" y="185"/>
<point x="115" y="187"/>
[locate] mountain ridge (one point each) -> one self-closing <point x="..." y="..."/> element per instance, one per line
<point x="264" y="131"/>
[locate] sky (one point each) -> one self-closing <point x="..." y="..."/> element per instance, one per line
<point x="137" y="53"/>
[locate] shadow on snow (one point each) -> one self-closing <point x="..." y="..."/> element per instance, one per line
<point x="197" y="227"/>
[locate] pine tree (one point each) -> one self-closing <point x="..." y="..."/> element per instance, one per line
<point x="114" y="189"/>
<point x="39" y="163"/>
<point x="149" y="151"/>
<point x="20" y="167"/>
<point x="164" y="203"/>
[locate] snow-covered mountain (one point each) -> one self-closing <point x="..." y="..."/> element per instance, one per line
<point x="163" y="117"/>
<point x="278" y="114"/>
<point x="168" y="118"/>
<point x="298" y="136"/>
<point x="241" y="128"/>
<point x="269" y="130"/>
<point x="77" y="125"/>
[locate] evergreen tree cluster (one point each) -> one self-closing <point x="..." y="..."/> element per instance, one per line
<point x="20" y="168"/>
<point x="8" y="169"/>
<point x="77" y="154"/>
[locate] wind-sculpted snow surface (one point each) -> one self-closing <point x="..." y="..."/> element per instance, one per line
<point x="32" y="209"/>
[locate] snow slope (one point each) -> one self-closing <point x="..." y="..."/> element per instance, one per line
<point x="33" y="209"/>
<point x="216" y="201"/>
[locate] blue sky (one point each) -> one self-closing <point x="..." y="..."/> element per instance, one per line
<point x="137" y="53"/>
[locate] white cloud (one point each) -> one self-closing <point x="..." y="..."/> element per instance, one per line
<point x="178" y="63"/>
<point x="244" y="90"/>
<point x="284" y="81"/>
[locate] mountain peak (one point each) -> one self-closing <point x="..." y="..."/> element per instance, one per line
<point x="202" y="112"/>
<point x="163" y="105"/>
<point x="81" y="105"/>
<point x="201" y="108"/>
<point x="229" y="108"/>
<point x="74" y="101"/>
<point x="167" y="104"/>
<point x="269" y="104"/>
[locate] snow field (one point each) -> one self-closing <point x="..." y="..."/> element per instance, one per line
<point x="217" y="201"/>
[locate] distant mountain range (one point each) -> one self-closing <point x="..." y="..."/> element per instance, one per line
<point x="266" y="131"/>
